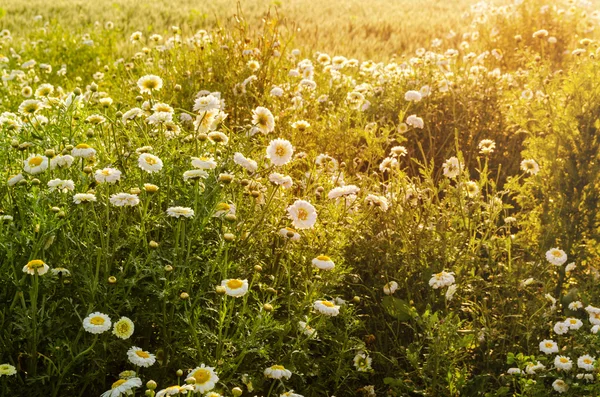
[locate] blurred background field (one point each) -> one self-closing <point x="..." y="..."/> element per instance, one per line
<point x="367" y="29"/>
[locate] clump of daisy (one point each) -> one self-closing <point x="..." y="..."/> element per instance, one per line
<point x="123" y="328"/>
<point x="140" y="357"/>
<point x="97" y="323"/>
<point x="175" y="390"/>
<point x="36" y="266"/>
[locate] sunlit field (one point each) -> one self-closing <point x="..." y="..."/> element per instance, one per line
<point x="393" y="198"/>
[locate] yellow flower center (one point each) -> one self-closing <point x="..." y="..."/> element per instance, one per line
<point x="564" y="360"/>
<point x="118" y="383"/>
<point x="280" y="150"/>
<point x="151" y="84"/>
<point x="327" y="303"/>
<point x="35" y="264"/>
<point x="262" y="119"/>
<point x="105" y="172"/>
<point x="279" y="367"/>
<point x="235" y="284"/>
<point x="556" y="253"/>
<point x="323" y="258"/>
<point x="549" y="345"/>
<point x="302" y="214"/>
<point x="82" y="146"/>
<point x="587" y="361"/>
<point x="202" y="376"/>
<point x="150" y="160"/>
<point x="97" y="320"/>
<point x="142" y="354"/>
<point x="35" y="161"/>
<point x="122" y="327"/>
<point x="573" y="321"/>
<point x="223" y="207"/>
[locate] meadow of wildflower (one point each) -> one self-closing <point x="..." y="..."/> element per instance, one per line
<point x="231" y="210"/>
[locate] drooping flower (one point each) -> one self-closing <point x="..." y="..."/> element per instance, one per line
<point x="323" y="262"/>
<point x="278" y="372"/>
<point x="36" y="266"/>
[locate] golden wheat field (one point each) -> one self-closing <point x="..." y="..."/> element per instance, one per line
<point x="299" y="198"/>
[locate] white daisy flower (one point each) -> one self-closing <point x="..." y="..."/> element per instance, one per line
<point x="140" y="357"/>
<point x="323" y="262"/>
<point x="204" y="163"/>
<point x="362" y="362"/>
<point x="303" y="214"/>
<point x="249" y="164"/>
<point x="281" y="180"/>
<point x="235" y="287"/>
<point x="263" y="119"/>
<point x="61" y="161"/>
<point x="123" y="328"/>
<point x="586" y="362"/>
<point x="13" y="180"/>
<point x="149" y="83"/>
<point x="556" y="256"/>
<point x="205" y="377"/>
<point x="177" y="212"/>
<point x="107" y="175"/>
<point x="548" y="346"/>
<point x="175" y="390"/>
<point x="442" y="279"/>
<point x="35" y="164"/>
<point x="83" y="198"/>
<point x="452" y="167"/>
<point x="277" y="372"/>
<point x="563" y="363"/>
<point x="560" y="386"/>
<point x="326" y="307"/>
<point x="124" y="199"/>
<point x="390" y="288"/>
<point x="97" y="323"/>
<point x="36" y="266"/>
<point x="150" y="163"/>
<point x="62" y="186"/>
<point x="84" y="151"/>
<point x="280" y="151"/>
<point x="123" y="387"/>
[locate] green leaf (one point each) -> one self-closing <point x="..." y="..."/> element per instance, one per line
<point x="397" y="308"/>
